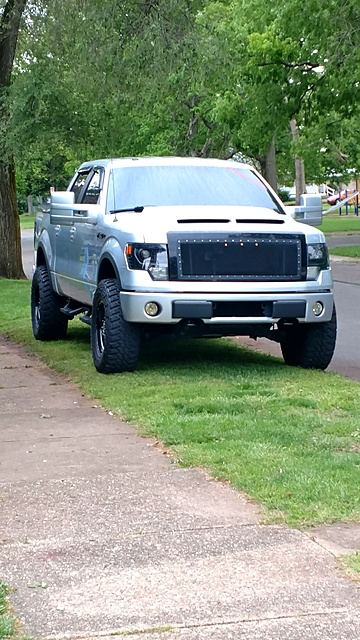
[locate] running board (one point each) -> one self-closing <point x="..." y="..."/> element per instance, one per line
<point x="86" y="318"/>
<point x="71" y="313"/>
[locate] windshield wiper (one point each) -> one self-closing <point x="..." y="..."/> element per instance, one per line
<point x="135" y="209"/>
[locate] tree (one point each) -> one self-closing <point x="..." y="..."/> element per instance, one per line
<point x="264" y="68"/>
<point x="186" y="77"/>
<point x="122" y="82"/>
<point x="10" y="246"/>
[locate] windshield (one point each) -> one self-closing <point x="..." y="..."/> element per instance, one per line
<point x="187" y="185"/>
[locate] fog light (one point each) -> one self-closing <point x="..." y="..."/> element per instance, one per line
<point x="318" y="308"/>
<point x="152" y="309"/>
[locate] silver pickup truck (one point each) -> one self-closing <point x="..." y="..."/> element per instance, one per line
<point x="181" y="246"/>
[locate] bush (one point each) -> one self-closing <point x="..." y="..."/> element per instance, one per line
<point x="284" y="194"/>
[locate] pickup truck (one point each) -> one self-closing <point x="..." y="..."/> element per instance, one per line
<point x="181" y="246"/>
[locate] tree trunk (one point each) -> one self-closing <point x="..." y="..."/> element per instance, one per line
<point x="30" y="206"/>
<point x="270" y="163"/>
<point x="299" y="164"/>
<point x="10" y="242"/>
<point x="268" y="166"/>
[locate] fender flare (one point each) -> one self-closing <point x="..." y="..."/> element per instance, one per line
<point x="108" y="256"/>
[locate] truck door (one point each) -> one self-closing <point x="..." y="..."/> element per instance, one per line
<point x="86" y="241"/>
<point x="62" y="221"/>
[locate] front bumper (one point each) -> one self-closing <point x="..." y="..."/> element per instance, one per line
<point x="214" y="308"/>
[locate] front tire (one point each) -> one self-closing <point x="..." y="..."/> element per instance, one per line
<point x="48" y="323"/>
<point x="115" y="343"/>
<point x="310" y="346"/>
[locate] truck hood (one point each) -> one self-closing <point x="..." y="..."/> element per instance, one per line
<point x="156" y="222"/>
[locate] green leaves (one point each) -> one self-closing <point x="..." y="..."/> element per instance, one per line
<point x="178" y="77"/>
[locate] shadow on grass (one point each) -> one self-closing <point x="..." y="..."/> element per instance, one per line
<point x="195" y="353"/>
<point x="202" y="354"/>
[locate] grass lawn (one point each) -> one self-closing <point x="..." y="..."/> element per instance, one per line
<point x="7" y="621"/>
<point x="350" y="252"/>
<point x="352" y="562"/>
<point x="340" y="224"/>
<point x="26" y="222"/>
<point x="289" y="438"/>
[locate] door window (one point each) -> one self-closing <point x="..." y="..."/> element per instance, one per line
<point x="78" y="186"/>
<point x="93" y="190"/>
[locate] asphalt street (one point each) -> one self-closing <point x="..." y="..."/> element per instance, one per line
<point x="343" y="241"/>
<point x="346" y="360"/>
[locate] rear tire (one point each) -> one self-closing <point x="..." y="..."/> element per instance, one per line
<point x="115" y="343"/>
<point x="48" y="323"/>
<point x="310" y="346"/>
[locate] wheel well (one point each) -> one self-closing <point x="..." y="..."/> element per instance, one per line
<point x="107" y="271"/>
<point x="40" y="258"/>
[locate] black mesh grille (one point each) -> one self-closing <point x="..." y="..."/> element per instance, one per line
<point x="237" y="257"/>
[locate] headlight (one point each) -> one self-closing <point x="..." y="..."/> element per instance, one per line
<point x="149" y="257"/>
<point x="317" y="259"/>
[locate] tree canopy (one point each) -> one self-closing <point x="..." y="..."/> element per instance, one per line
<point x="222" y="78"/>
<point x="187" y="77"/>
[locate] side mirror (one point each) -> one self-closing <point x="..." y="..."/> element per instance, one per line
<point x="59" y="198"/>
<point x="309" y="210"/>
<point x="62" y="207"/>
<point x="64" y="210"/>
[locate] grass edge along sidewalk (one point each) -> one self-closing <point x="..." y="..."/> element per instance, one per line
<point x="350" y="563"/>
<point x="9" y="627"/>
<point x="287" y="437"/>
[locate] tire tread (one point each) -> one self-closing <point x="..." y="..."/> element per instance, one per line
<point x="311" y="346"/>
<point x="52" y="324"/>
<point x="122" y="345"/>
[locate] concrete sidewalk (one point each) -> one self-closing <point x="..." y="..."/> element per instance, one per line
<point x="101" y="534"/>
